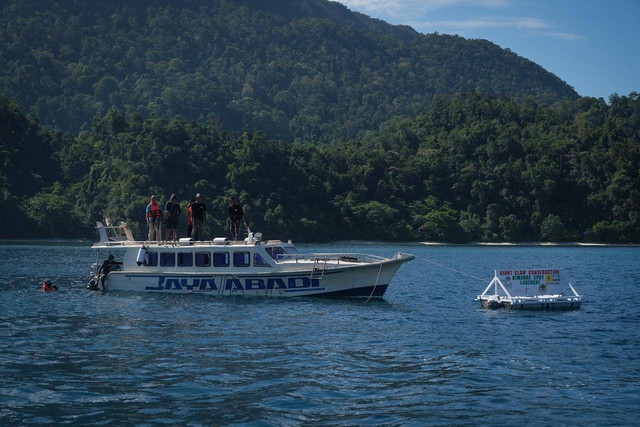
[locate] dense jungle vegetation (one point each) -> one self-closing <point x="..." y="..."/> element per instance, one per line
<point x="297" y="70"/>
<point x="470" y="167"/>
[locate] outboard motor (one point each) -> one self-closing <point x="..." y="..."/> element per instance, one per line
<point x="93" y="283"/>
<point x="141" y="254"/>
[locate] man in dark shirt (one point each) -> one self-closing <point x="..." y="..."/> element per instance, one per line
<point x="235" y="216"/>
<point x="199" y="214"/>
<point x="107" y="266"/>
<point x="172" y="210"/>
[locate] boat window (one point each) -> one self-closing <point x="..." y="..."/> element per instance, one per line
<point x="258" y="261"/>
<point x="221" y="259"/>
<point x="276" y="252"/>
<point x="203" y="259"/>
<point x="167" y="259"/>
<point x="185" y="259"/>
<point x="241" y="259"/>
<point x="150" y="259"/>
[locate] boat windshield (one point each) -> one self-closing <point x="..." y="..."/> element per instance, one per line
<point x="280" y="253"/>
<point x="292" y="249"/>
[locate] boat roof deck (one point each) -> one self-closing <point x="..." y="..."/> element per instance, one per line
<point x="171" y="243"/>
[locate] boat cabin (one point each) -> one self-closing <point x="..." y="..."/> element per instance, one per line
<point x="204" y="256"/>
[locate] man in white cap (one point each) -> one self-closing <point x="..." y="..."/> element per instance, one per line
<point x="199" y="214"/>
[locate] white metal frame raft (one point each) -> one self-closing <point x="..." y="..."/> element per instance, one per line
<point x="538" y="302"/>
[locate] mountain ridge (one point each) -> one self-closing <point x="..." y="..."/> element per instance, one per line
<point x="309" y="70"/>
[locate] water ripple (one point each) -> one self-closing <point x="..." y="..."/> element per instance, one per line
<point x="424" y="355"/>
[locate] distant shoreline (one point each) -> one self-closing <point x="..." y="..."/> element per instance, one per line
<point x="80" y="241"/>
<point x="46" y="241"/>
<point x="550" y="244"/>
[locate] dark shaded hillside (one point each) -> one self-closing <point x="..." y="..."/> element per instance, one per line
<point x="28" y="163"/>
<point x="469" y="168"/>
<point x="298" y="70"/>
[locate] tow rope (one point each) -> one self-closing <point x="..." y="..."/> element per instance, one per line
<point x="452" y="269"/>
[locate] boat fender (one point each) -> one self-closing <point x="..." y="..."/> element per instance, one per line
<point x="141" y="254"/>
<point x="185" y="241"/>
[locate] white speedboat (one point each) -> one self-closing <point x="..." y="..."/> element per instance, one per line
<point x="251" y="267"/>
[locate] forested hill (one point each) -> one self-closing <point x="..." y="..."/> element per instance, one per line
<point x="471" y="167"/>
<point x="333" y="11"/>
<point x="308" y="70"/>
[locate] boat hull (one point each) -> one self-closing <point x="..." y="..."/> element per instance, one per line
<point x="345" y="281"/>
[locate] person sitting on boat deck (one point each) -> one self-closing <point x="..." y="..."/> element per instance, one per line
<point x="47" y="286"/>
<point x="190" y="218"/>
<point x="172" y="210"/>
<point x="199" y="214"/>
<point x="108" y="265"/>
<point x="235" y="216"/>
<point x="154" y="218"/>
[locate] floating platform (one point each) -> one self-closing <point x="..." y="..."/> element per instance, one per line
<point x="541" y="302"/>
<point x="503" y="298"/>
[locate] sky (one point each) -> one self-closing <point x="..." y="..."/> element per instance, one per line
<point x="593" y="45"/>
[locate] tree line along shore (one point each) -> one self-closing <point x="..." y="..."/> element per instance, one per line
<point x="470" y="168"/>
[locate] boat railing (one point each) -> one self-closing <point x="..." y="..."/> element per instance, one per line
<point x="332" y="257"/>
<point x="163" y="243"/>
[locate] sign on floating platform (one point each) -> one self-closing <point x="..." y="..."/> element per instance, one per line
<point x="531" y="282"/>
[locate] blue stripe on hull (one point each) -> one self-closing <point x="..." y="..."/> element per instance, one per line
<point x="354" y="292"/>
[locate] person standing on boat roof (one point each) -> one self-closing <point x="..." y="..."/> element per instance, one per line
<point x="235" y="216"/>
<point x="190" y="218"/>
<point x="199" y="213"/>
<point x="108" y="265"/>
<point x="172" y="209"/>
<point x="154" y="219"/>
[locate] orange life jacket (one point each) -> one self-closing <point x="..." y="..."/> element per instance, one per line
<point x="48" y="287"/>
<point x="155" y="211"/>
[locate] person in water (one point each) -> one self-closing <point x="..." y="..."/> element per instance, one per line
<point x="47" y="286"/>
<point x="235" y="216"/>
<point x="154" y="219"/>
<point x="172" y="210"/>
<point x="199" y="213"/>
<point x="108" y="265"/>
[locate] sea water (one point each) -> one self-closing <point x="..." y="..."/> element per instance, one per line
<point x="425" y="354"/>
